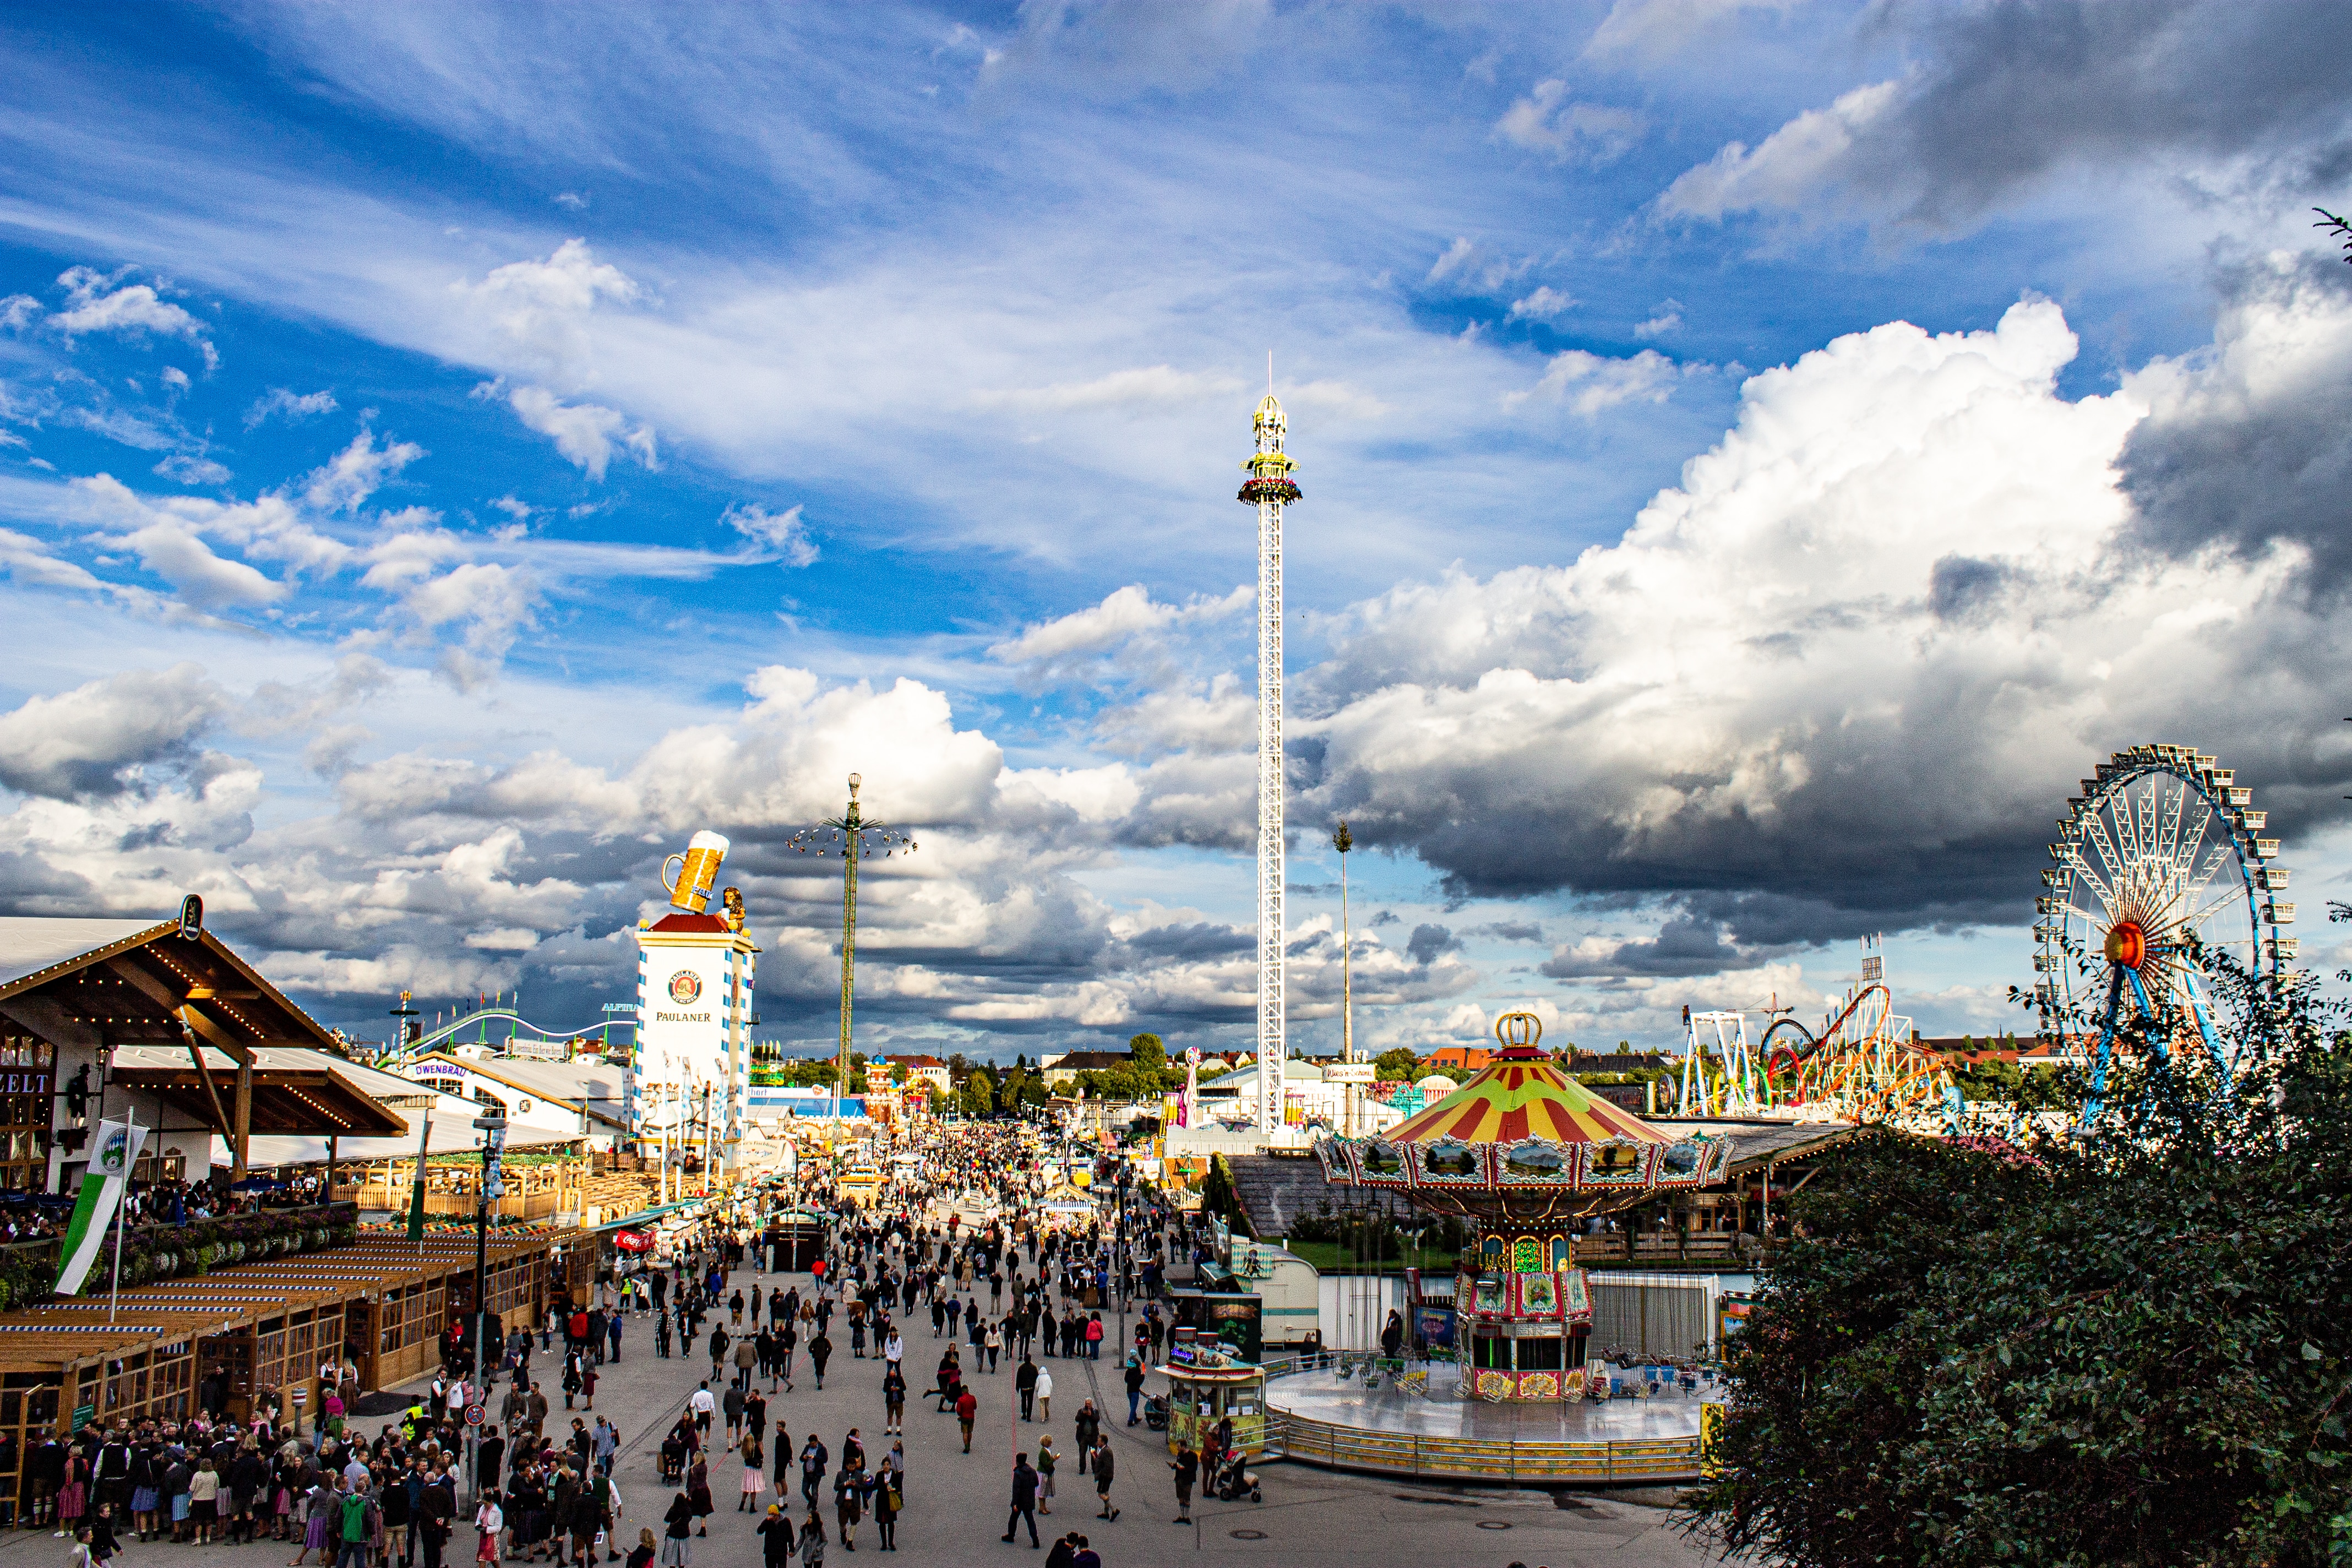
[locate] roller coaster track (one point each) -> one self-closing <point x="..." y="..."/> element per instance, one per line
<point x="475" y="1028"/>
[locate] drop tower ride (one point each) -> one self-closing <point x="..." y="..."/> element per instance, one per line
<point x="1269" y="488"/>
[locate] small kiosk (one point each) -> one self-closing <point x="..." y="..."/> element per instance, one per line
<point x="1208" y="1383"/>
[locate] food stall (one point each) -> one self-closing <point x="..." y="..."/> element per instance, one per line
<point x="1208" y="1383"/>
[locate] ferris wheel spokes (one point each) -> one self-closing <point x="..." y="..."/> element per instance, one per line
<point x="2133" y="890"/>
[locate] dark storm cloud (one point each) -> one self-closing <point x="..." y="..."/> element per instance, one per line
<point x="1682" y="947"/>
<point x="2242" y="96"/>
<point x="2250" y="463"/>
<point x="1202" y="939"/>
<point x="1430" y="942"/>
<point x="2011" y="91"/>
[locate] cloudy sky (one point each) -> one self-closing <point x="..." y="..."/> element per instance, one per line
<point x="1756" y="457"/>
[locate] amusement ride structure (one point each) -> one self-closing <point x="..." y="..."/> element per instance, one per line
<point x="1525" y="1153"/>
<point x="2159" y="861"/>
<point x="1269" y="488"/>
<point x="1861" y="1065"/>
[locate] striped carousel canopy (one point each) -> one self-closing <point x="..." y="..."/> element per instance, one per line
<point x="1520" y="1094"/>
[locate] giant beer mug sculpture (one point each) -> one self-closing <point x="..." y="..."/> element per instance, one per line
<point x="697" y="870"/>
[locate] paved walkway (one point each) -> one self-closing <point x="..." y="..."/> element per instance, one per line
<point x="956" y="1503"/>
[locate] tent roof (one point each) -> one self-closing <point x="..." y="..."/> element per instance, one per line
<point x="1514" y="1098"/>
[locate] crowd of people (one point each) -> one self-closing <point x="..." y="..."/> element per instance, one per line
<point x="954" y="1246"/>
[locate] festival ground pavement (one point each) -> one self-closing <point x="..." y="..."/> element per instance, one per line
<point x="956" y="1504"/>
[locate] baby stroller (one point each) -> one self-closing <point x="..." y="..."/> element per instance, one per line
<point x="1233" y="1477"/>
<point x="1155" y="1413"/>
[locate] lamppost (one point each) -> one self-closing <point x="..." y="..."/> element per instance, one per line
<point x="493" y="1129"/>
<point x="1344" y="841"/>
<point x="854" y="838"/>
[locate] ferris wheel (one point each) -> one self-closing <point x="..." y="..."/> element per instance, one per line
<point x="2158" y="857"/>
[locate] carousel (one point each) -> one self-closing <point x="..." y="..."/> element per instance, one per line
<point x="1526" y="1155"/>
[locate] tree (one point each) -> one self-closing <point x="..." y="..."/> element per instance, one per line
<point x="977" y="1096"/>
<point x="1150" y="1057"/>
<point x="1217" y="1195"/>
<point x="1397" y="1065"/>
<point x="2125" y="1348"/>
<point x="2339" y="228"/>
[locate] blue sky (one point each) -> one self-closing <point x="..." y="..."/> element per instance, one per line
<point x="451" y="454"/>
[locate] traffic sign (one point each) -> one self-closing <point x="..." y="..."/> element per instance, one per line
<point x="474" y="1413"/>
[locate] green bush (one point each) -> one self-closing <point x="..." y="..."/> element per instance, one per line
<point x="2126" y="1348"/>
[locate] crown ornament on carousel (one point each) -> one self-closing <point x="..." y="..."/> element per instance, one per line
<point x="1522" y="1143"/>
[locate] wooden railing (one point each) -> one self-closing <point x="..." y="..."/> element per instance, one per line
<point x="1664" y="1246"/>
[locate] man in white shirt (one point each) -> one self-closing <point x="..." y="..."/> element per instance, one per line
<point x="1045" y="1395"/>
<point x="702" y="1404"/>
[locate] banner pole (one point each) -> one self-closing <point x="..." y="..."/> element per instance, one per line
<point x="114" y="1295"/>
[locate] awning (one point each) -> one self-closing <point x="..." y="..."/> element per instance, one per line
<point x="285" y="1100"/>
<point x="629" y="1221"/>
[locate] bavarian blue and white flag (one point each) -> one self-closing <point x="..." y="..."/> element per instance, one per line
<point x="116" y="1147"/>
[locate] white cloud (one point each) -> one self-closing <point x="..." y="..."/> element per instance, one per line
<point x="1123" y="615"/>
<point x="17" y="311"/>
<point x="783" y="533"/>
<point x="539" y="310"/>
<point x="357" y="472"/>
<point x="1472" y="269"/>
<point x="1845" y="666"/>
<point x="94" y="304"/>
<point x="1588" y="383"/>
<point x="188" y="470"/>
<point x="27" y="560"/>
<point x="1152" y="386"/>
<point x="491" y="600"/>
<point x="1668" y="319"/>
<point x="293" y="406"/>
<point x="1542" y="305"/>
<point x="1335" y="397"/>
<point x="1791" y="167"/>
<point x="169" y="543"/>
<point x="1547" y="122"/>
<point x="90" y="740"/>
<point x="173" y="376"/>
<point x="1657" y="28"/>
<point x="572" y="200"/>
<point x="583" y="432"/>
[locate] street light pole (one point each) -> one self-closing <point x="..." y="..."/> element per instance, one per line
<point x="852" y="836"/>
<point x="493" y="1129"/>
<point x="1344" y="841"/>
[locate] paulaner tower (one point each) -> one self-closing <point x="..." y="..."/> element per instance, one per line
<point x="1270" y="489"/>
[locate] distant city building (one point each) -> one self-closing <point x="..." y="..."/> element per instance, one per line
<point x="923" y="1070"/>
<point x="1469" y="1058"/>
<point x="1064" y="1069"/>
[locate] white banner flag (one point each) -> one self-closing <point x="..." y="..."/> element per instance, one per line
<point x="115" y="1148"/>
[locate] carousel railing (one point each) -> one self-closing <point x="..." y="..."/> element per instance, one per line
<point x="1467" y="1458"/>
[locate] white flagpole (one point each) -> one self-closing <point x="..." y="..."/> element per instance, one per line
<point x="114" y="1295"/>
